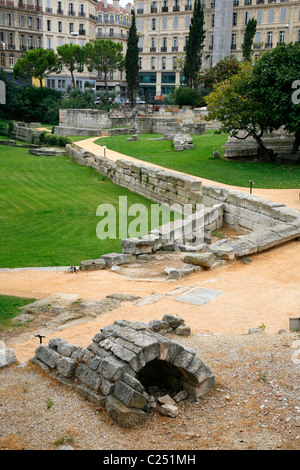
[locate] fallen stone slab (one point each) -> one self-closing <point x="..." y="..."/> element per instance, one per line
<point x="175" y="274"/>
<point x="199" y="296"/>
<point x="207" y="260"/>
<point x="92" y="264"/>
<point x="7" y="356"/>
<point x="115" y="259"/>
<point x="139" y="246"/>
<point x="123" y="297"/>
<point x="183" y="142"/>
<point x="48" y="151"/>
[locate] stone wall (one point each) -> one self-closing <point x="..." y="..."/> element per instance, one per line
<point x="122" y="360"/>
<point x="262" y="223"/>
<point x="160" y="186"/>
<point x="23" y="131"/>
<point x="279" y="142"/>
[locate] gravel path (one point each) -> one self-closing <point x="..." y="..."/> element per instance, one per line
<point x="255" y="404"/>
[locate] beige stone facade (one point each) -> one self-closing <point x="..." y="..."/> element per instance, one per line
<point x="163" y="28"/>
<point x="21" y="29"/>
<point x="66" y="22"/>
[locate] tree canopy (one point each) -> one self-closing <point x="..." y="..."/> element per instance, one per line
<point x="249" y="36"/>
<point x="72" y="57"/>
<point x="37" y="63"/>
<point x="104" y="55"/>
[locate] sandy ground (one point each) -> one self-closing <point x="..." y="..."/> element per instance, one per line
<point x="263" y="292"/>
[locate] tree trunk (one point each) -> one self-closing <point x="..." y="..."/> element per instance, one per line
<point x="72" y="78"/>
<point x="41" y="82"/>
<point x="106" y="86"/>
<point x="296" y="142"/>
<point x="265" y="155"/>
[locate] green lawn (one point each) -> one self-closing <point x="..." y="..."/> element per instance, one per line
<point x="10" y="308"/>
<point x="48" y="210"/>
<point x="200" y="162"/>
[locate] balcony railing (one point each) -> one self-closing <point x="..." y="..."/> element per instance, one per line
<point x="81" y="14"/>
<point x="233" y="47"/>
<point x="176" y="8"/>
<point x="48" y="10"/>
<point x="71" y="13"/>
<point x="140" y="11"/>
<point x="164" y="9"/>
<point x="174" y="48"/>
<point x="60" y="12"/>
<point x="153" y="10"/>
<point x="188" y="7"/>
<point x="152" y="49"/>
<point x="269" y="45"/>
<point x="81" y="32"/>
<point x="163" y="49"/>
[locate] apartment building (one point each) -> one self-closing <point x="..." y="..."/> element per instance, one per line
<point x="163" y="28"/>
<point x="66" y="22"/>
<point x="113" y="22"/>
<point x="21" y="29"/>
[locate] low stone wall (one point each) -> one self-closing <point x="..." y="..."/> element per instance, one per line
<point x="247" y="149"/>
<point x="263" y="223"/>
<point x="122" y="360"/>
<point x="23" y="131"/>
<point x="158" y="185"/>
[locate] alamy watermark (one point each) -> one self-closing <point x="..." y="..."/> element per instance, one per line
<point x="296" y="94"/>
<point x="137" y="220"/>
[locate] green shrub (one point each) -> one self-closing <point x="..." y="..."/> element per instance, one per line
<point x="45" y="138"/>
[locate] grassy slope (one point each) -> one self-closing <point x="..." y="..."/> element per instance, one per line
<point x="199" y="162"/>
<point x="10" y="308"/>
<point x="48" y="210"/>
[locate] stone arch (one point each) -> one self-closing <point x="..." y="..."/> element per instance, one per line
<point x="115" y="368"/>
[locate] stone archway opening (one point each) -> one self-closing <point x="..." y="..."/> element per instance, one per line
<point x="162" y="374"/>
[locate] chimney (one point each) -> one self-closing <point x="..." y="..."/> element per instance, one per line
<point x="104" y="3"/>
<point x="128" y="7"/>
<point x="116" y="4"/>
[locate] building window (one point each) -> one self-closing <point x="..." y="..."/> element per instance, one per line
<point x="271" y="17"/>
<point x="111" y="74"/>
<point x="49" y="43"/>
<point x="269" y="39"/>
<point x="283" y="15"/>
<point x="2" y="60"/>
<point x="71" y="27"/>
<point x="163" y="63"/>
<point x="175" y="23"/>
<point x="233" y="41"/>
<point x="164" y="23"/>
<point x="140" y="63"/>
<point x="48" y="25"/>
<point x="259" y="16"/>
<point x="152" y="63"/>
<point x="281" y="36"/>
<point x="247" y="17"/>
<point x="30" y="22"/>
<point x="234" y="19"/>
<point x="153" y="24"/>
<point x="71" y="9"/>
<point x="11" y="61"/>
<point x="60" y="26"/>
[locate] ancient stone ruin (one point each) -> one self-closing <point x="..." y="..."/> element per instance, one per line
<point x="125" y="363"/>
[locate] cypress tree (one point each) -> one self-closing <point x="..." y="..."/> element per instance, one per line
<point x="193" y="59"/>
<point x="132" y="61"/>
<point x="249" y="35"/>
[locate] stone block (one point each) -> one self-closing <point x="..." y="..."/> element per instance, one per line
<point x="207" y="260"/>
<point x="129" y="396"/>
<point x="121" y="414"/>
<point x="115" y="259"/>
<point x="47" y="355"/>
<point x="92" y="264"/>
<point x="138" y="246"/>
<point x="65" y="366"/>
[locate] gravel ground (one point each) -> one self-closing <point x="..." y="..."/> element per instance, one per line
<point x="254" y="406"/>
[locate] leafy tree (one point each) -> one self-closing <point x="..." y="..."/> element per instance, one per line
<point x="72" y="57"/>
<point x="79" y="99"/>
<point x="239" y="109"/>
<point x="104" y="55"/>
<point x="273" y="78"/>
<point x="249" y="36"/>
<point x="223" y="70"/>
<point x="36" y="63"/>
<point x="193" y="57"/>
<point x="132" y="61"/>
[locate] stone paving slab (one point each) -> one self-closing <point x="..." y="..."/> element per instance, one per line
<point x="199" y="296"/>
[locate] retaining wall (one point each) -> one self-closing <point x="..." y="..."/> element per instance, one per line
<point x="262" y="223"/>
